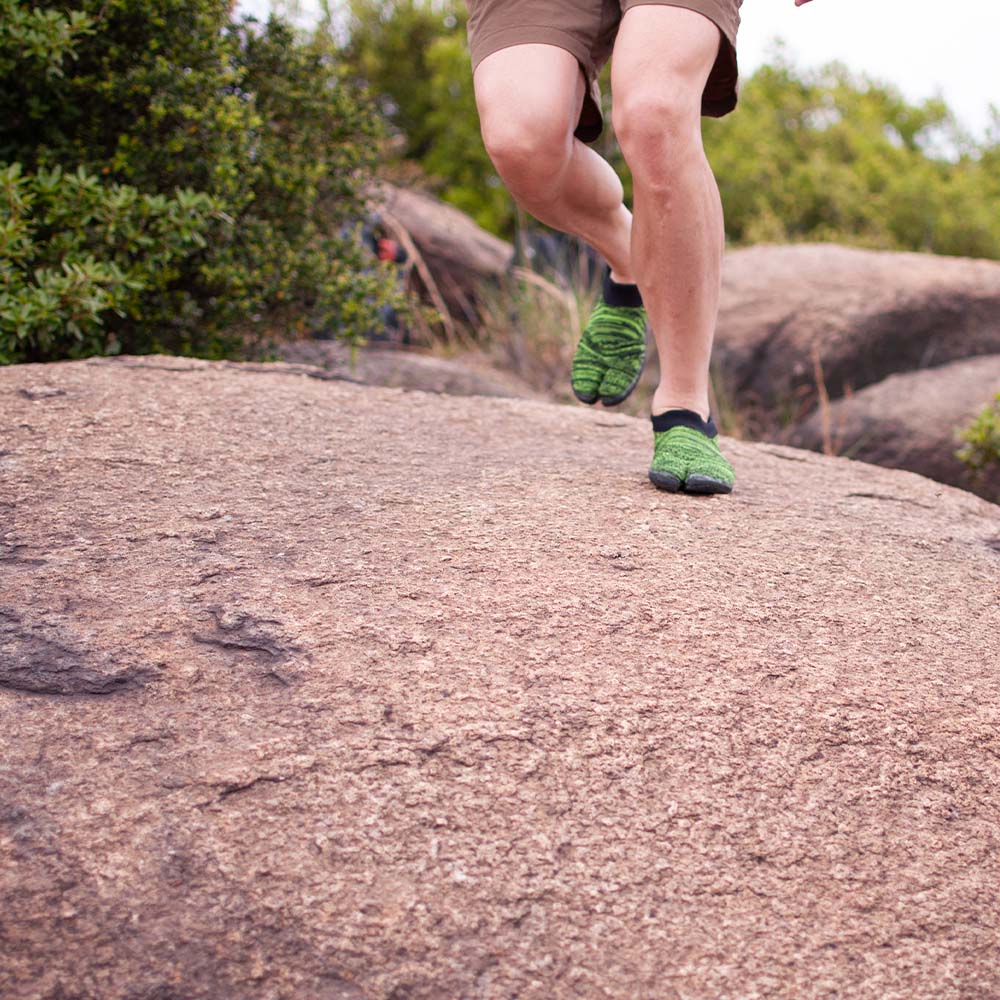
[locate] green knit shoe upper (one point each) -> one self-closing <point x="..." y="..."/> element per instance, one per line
<point x="686" y="455"/>
<point x="612" y="349"/>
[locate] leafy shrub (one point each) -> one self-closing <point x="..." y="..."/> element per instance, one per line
<point x="215" y="169"/>
<point x="38" y="39"/>
<point x="73" y="250"/>
<point x="981" y="449"/>
<point x="316" y="143"/>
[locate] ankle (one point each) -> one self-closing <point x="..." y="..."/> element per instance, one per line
<point x="698" y="406"/>
<point x="617" y="293"/>
<point x="669" y="419"/>
<point x="622" y="277"/>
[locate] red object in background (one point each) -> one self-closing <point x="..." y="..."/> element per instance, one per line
<point x="387" y="249"/>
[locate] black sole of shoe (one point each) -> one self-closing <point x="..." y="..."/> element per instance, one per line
<point x="621" y="397"/>
<point x="589" y="400"/>
<point x="705" y="484"/>
<point x="699" y="485"/>
<point x="664" y="481"/>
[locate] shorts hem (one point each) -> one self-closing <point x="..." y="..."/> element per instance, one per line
<point x="591" y="122"/>
<point x="719" y="14"/>
<point x="721" y="93"/>
<point x="524" y="34"/>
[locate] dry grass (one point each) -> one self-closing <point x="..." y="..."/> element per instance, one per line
<point x="531" y="323"/>
<point x="833" y="437"/>
<point x="528" y="324"/>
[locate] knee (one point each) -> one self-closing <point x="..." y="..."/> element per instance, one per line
<point x="528" y="146"/>
<point x="658" y="131"/>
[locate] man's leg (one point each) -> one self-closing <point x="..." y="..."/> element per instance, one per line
<point x="529" y="98"/>
<point x="661" y="61"/>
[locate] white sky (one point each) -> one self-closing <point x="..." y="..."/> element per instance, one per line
<point x="924" y="47"/>
<point x="949" y="48"/>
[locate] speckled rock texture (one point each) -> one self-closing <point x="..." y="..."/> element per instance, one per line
<point x="468" y="375"/>
<point x="324" y="692"/>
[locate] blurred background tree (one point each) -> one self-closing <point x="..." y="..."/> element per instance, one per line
<point x="412" y="57"/>
<point x="828" y="155"/>
<point x="812" y="155"/>
<point x="177" y="181"/>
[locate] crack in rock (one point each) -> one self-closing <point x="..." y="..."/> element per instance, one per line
<point x="336" y="987"/>
<point x="886" y="496"/>
<point x="242" y="367"/>
<point x="41" y="391"/>
<point x="236" y="788"/>
<point x="11" y="553"/>
<point x="38" y="657"/>
<point x="246" y="633"/>
<point x="787" y="458"/>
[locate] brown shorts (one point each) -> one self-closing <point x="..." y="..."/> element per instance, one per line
<point x="587" y="29"/>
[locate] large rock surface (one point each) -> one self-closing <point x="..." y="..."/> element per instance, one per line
<point x="868" y="313"/>
<point x="910" y="421"/>
<point x="325" y="692"/>
<point x="467" y="375"/>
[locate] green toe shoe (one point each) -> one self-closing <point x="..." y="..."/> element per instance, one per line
<point x="612" y="350"/>
<point x="686" y="455"/>
<point x="588" y="371"/>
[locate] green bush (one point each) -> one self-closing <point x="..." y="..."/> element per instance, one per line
<point x="981" y="450"/>
<point x="316" y="144"/>
<point x="37" y="40"/>
<point x="216" y="169"/>
<point x="74" y="250"/>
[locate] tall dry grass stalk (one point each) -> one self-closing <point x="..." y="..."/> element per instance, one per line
<point x="833" y="437"/>
<point x="531" y="323"/>
<point x="454" y="335"/>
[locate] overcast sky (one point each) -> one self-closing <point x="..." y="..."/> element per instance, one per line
<point x="925" y="47"/>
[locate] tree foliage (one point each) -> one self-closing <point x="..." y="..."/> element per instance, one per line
<point x="825" y="154"/>
<point x="412" y="57"/>
<point x="808" y="154"/>
<point x="174" y="179"/>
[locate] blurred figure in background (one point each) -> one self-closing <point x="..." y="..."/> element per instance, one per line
<point x="386" y="248"/>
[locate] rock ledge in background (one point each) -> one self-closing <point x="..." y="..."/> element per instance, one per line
<point x="869" y="314"/>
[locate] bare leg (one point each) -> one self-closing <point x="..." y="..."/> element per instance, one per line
<point x="661" y="60"/>
<point x="529" y="98"/>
